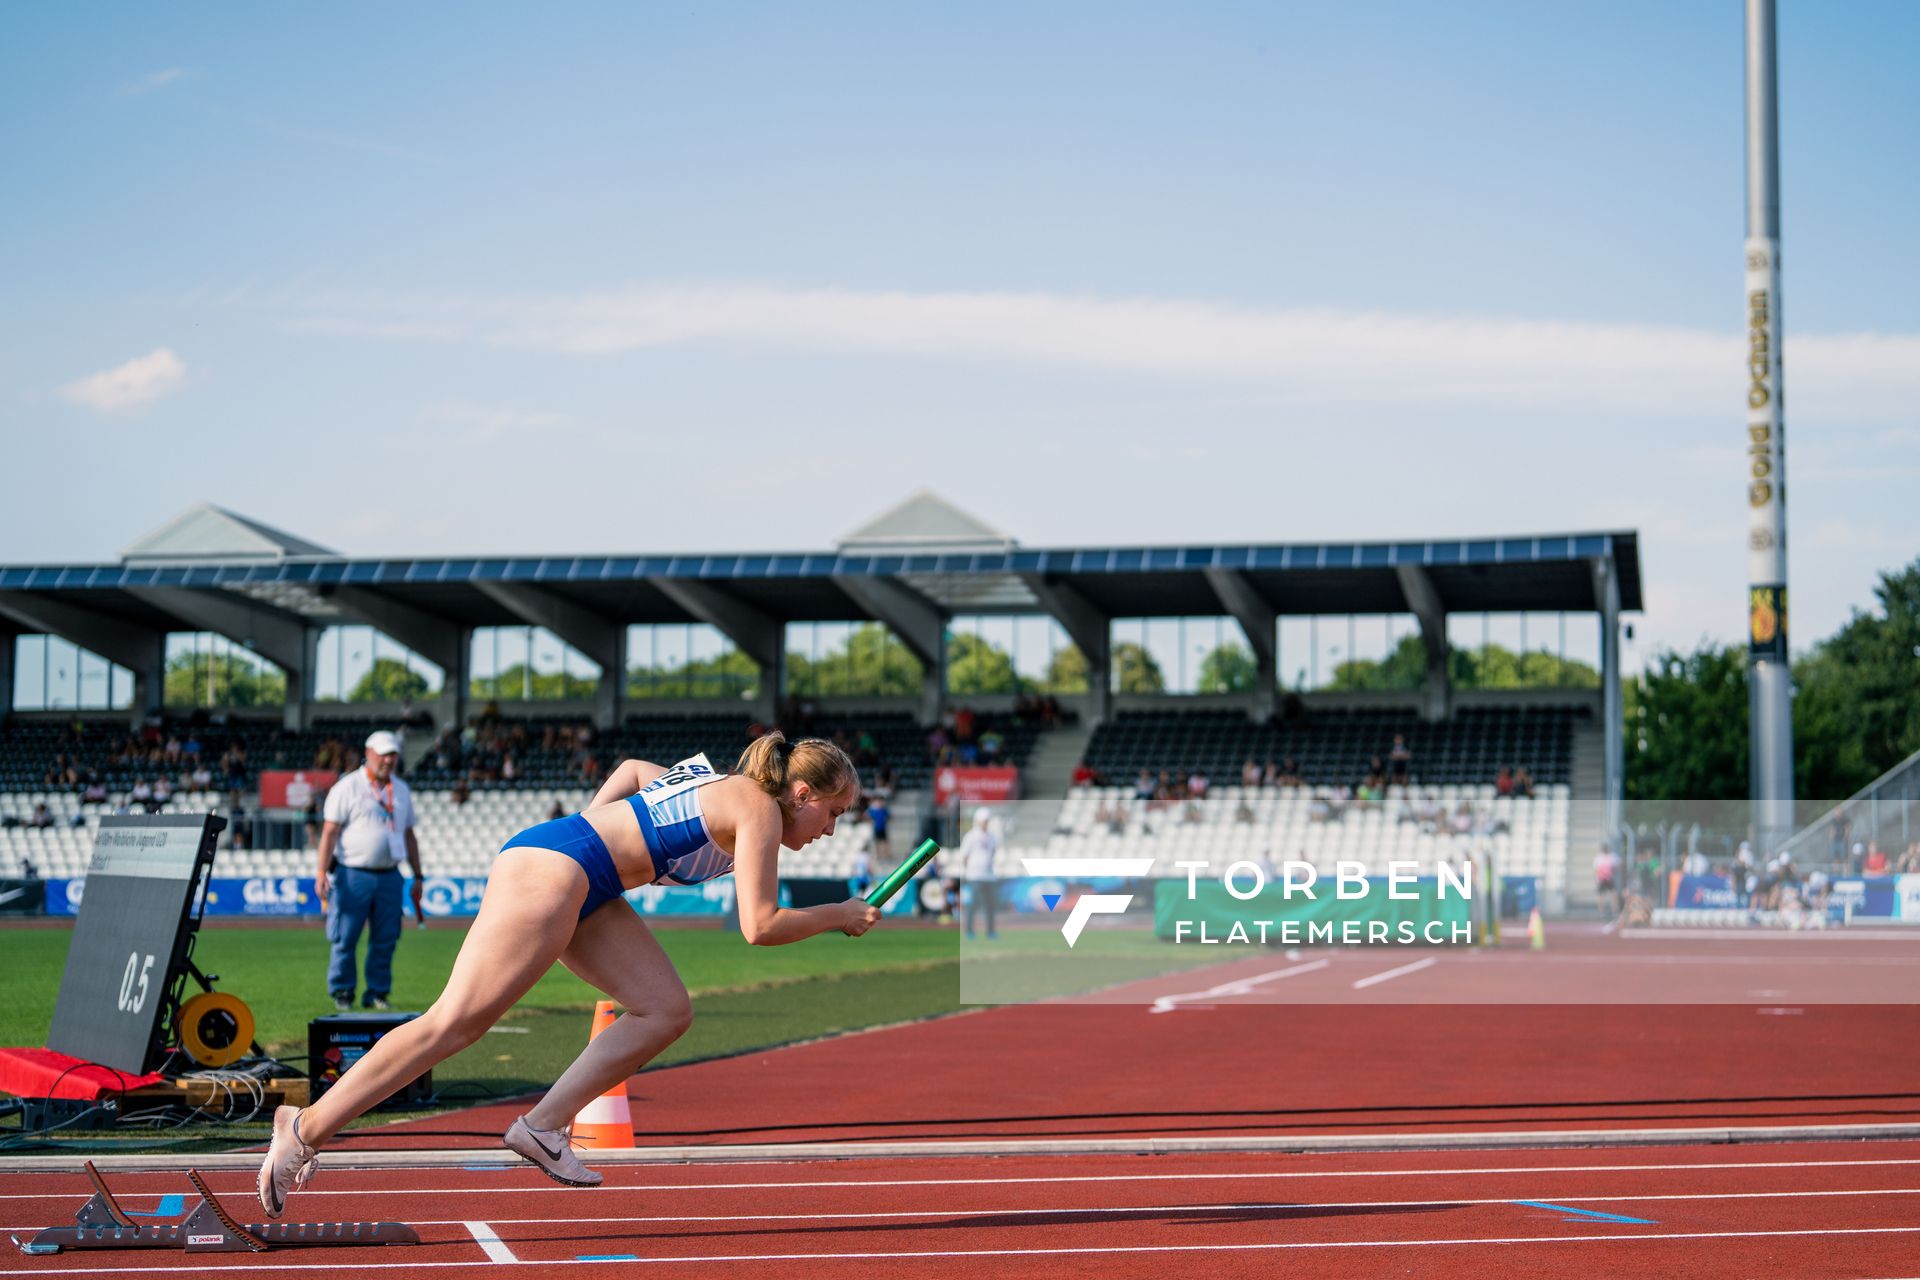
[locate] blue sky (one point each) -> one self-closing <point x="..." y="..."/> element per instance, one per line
<point x="463" y="278"/>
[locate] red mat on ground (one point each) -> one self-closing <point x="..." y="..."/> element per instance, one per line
<point x="45" y="1073"/>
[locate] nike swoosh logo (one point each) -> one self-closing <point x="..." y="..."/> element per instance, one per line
<point x="11" y="894"/>
<point x="551" y="1155"/>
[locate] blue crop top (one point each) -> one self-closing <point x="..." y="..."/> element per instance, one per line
<point x="668" y="808"/>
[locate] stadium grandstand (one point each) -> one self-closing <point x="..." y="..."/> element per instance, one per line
<point x="1256" y="769"/>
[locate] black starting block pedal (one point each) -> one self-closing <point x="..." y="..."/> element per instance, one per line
<point x="207" y="1228"/>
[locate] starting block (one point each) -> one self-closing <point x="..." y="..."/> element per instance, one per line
<point x="207" y="1228"/>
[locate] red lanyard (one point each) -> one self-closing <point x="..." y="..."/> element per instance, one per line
<point x="386" y="805"/>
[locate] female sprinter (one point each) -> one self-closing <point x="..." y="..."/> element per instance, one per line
<point x="554" y="894"/>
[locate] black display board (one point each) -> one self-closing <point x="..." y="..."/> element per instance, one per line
<point x="133" y="938"/>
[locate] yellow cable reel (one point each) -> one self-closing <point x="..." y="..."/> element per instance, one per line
<point x="216" y="1028"/>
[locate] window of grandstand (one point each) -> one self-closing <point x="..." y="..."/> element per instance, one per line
<point x="1524" y="650"/>
<point x="361" y="664"/>
<point x="529" y="664"/>
<point x="1012" y="654"/>
<point x="1349" y="652"/>
<point x="687" y="661"/>
<point x="51" y="674"/>
<point x="1181" y="656"/>
<point x="849" y="659"/>
<point x="203" y="669"/>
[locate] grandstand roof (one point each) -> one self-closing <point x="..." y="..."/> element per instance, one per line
<point x="924" y="546"/>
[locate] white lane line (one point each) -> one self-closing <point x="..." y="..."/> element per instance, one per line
<point x="1240" y="987"/>
<point x="484" y="1231"/>
<point x="1264" y="1246"/>
<point x="485" y="1236"/>
<point x="1009" y="1180"/>
<point x="1391" y="974"/>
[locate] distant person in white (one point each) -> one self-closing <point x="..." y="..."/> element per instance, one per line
<point x="977" y="850"/>
<point x="369" y="821"/>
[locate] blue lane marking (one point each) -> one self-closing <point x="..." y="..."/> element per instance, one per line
<point x="170" y="1207"/>
<point x="1585" y="1214"/>
<point x="608" y="1257"/>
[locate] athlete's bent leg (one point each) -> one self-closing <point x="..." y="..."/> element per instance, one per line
<point x="615" y="951"/>
<point x="526" y="920"/>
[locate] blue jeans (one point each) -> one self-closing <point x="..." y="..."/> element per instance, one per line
<point x="370" y="900"/>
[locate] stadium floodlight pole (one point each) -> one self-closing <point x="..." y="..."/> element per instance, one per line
<point x="1769" y="676"/>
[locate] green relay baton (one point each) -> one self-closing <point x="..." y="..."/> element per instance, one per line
<point x="878" y="895"/>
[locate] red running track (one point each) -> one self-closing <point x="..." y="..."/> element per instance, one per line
<point x="1834" y="1211"/>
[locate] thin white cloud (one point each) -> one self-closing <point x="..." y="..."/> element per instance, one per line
<point x="1312" y="356"/>
<point x="139" y="381"/>
<point x="153" y="82"/>
<point x="483" y="424"/>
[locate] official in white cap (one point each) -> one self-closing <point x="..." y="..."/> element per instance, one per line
<point x="368" y="828"/>
<point x="977" y="851"/>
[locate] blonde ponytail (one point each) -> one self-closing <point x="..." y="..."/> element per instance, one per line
<point x="773" y="762"/>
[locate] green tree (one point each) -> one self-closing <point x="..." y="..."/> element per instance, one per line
<point x="976" y="665"/>
<point x="1686" y="731"/>
<point x="1405" y="667"/>
<point x="872" y="663"/>
<point x="1066" y="671"/>
<point x="1857" y="694"/>
<point x="1137" y="670"/>
<point x="389" y="680"/>
<point x="728" y="675"/>
<point x="222" y="680"/>
<point x="1228" y="669"/>
<point x="516" y="681"/>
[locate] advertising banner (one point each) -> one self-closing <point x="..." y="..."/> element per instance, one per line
<point x="1703" y="892"/>
<point x="976" y="784"/>
<point x="294" y="788"/>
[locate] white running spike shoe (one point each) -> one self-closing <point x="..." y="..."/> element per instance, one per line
<point x="290" y="1163"/>
<point x="551" y="1152"/>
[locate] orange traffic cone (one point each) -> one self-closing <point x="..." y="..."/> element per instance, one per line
<point x="1537" y="931"/>
<point x="607" y="1121"/>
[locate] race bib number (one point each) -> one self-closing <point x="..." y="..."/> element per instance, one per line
<point x="685" y="776"/>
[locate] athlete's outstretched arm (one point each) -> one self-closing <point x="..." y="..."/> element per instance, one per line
<point x="626" y="780"/>
<point x="756" y="876"/>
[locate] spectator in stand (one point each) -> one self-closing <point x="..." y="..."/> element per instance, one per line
<point x="1289" y="773"/>
<point x="141" y="797"/>
<point x="1198" y="784"/>
<point x="1646" y="875"/>
<point x="1084" y="776"/>
<point x="1243" y="812"/>
<point x="1143" y="790"/>
<point x="41" y="816"/>
<point x="880" y="814"/>
<point x="162" y="793"/>
<point x="1857" y="859"/>
<point x="460" y="793"/>
<point x="1249" y="774"/>
<point x="977" y="850"/>
<point x="557" y="812"/>
<point x="96" y="792"/>
<point x="1503" y="782"/>
<point x="1400" y="760"/>
<point x="239" y="829"/>
<point x="1876" y="860"/>
<point x="1606" y="879"/>
<point x="1909" y="863"/>
<point x="991" y="741"/>
<point x="201" y="779"/>
<point x="860" y="873"/>
<point x="1523" y="782"/>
